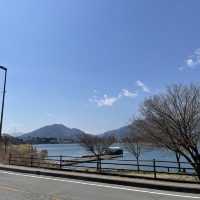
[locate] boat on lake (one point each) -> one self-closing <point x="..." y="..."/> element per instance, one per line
<point x="114" y="151"/>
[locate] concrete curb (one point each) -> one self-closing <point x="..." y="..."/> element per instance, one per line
<point x="98" y="178"/>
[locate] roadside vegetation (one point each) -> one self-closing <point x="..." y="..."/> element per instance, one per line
<point x="21" y="153"/>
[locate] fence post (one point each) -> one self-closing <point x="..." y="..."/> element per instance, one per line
<point x="138" y="165"/>
<point x="9" y="158"/>
<point x="98" y="163"/>
<point x="154" y="168"/>
<point x="61" y="162"/>
<point x="31" y="160"/>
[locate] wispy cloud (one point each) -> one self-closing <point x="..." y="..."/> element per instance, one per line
<point x="127" y="93"/>
<point x="143" y="86"/>
<point x="109" y="101"/>
<point x="104" y="101"/>
<point x="192" y="61"/>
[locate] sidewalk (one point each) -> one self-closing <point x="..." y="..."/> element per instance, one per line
<point x="135" y="182"/>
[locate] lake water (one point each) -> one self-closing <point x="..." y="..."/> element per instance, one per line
<point x="76" y="150"/>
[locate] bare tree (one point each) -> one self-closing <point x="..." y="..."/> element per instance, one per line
<point x="96" y="145"/>
<point x="178" y="157"/>
<point x="172" y="121"/>
<point x="134" y="146"/>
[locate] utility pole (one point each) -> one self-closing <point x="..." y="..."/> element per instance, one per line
<point x="3" y="100"/>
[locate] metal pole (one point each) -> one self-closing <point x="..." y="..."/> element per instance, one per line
<point x="3" y="101"/>
<point x="10" y="157"/>
<point x="154" y="168"/>
<point x="60" y="162"/>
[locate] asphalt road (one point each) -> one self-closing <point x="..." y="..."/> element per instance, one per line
<point x="16" y="186"/>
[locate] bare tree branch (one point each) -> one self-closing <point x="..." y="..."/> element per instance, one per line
<point x="172" y="121"/>
<point x="97" y="145"/>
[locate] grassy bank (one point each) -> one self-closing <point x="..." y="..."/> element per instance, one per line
<point x="21" y="152"/>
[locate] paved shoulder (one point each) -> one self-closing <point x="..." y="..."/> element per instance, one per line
<point x="25" y="186"/>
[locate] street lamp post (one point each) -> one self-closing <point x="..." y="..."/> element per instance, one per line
<point x="3" y="100"/>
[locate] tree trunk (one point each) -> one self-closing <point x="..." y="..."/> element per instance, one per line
<point x="194" y="162"/>
<point x="138" y="164"/>
<point x="196" y="165"/>
<point x="197" y="170"/>
<point x="98" y="163"/>
<point x="178" y="161"/>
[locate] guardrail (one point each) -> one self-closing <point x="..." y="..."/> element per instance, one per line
<point x="113" y="166"/>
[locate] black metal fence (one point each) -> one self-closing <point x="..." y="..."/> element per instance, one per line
<point x="113" y="166"/>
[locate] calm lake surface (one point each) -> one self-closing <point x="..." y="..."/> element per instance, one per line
<point x="76" y="150"/>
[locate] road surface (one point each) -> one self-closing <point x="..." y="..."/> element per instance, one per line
<point x="18" y="186"/>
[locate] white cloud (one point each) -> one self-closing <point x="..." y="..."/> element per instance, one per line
<point x="192" y="61"/>
<point x="104" y="101"/>
<point x="127" y="93"/>
<point x="143" y="86"/>
<point x="110" y="100"/>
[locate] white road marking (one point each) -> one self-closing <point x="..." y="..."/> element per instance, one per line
<point x="100" y="185"/>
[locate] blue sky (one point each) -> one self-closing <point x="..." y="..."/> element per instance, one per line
<point x="89" y="64"/>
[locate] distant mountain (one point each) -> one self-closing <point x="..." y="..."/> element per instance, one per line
<point x="58" y="131"/>
<point x="118" y="133"/>
<point x="61" y="132"/>
<point x="16" y="134"/>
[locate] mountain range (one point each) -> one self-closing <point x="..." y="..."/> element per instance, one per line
<point x="61" y="131"/>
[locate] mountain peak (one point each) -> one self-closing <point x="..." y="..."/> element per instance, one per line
<point x="53" y="131"/>
<point x="55" y="125"/>
<point x="60" y="131"/>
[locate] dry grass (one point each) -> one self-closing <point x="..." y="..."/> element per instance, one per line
<point x="172" y="177"/>
<point x="20" y="154"/>
<point x="176" y="177"/>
